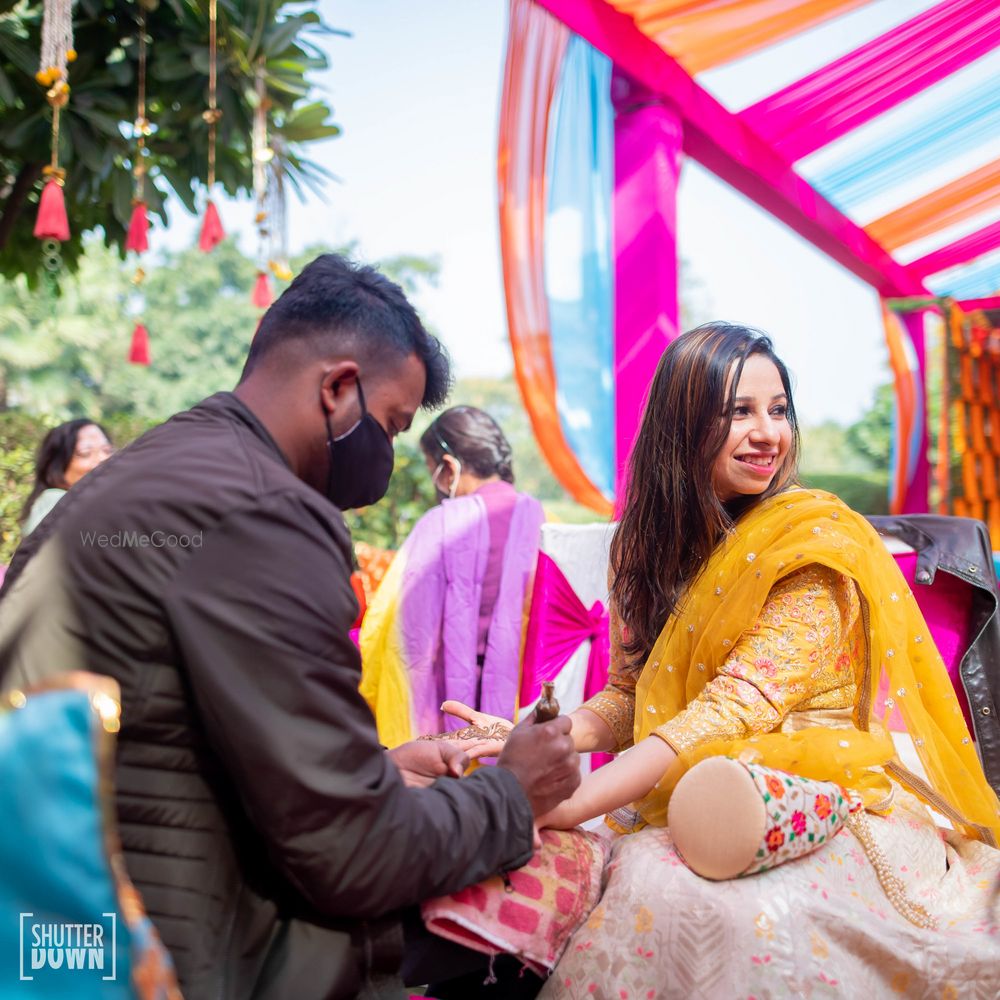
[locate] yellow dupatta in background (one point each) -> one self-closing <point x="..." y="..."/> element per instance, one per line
<point x="783" y="534"/>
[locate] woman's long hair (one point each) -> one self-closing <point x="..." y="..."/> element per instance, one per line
<point x="473" y="437"/>
<point x="53" y="458"/>
<point x="672" y="518"/>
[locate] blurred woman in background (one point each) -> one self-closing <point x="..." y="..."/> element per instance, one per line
<point x="67" y="453"/>
<point x="446" y="622"/>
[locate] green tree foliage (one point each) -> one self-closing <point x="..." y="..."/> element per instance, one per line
<point x="865" y="492"/>
<point x="831" y="461"/>
<point x="826" y="447"/>
<point x="96" y="143"/>
<point x="65" y="355"/>
<point x="19" y="437"/>
<point x="871" y="436"/>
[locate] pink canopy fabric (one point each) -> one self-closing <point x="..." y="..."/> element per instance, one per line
<point x="869" y="81"/>
<point x="922" y="84"/>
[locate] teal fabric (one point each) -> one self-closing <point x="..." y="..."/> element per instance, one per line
<point x="52" y="851"/>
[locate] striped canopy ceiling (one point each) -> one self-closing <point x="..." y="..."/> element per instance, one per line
<point x="889" y="109"/>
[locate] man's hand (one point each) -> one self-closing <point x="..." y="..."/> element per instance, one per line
<point x="542" y="757"/>
<point x="422" y="762"/>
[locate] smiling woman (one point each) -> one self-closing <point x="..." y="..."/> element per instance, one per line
<point x="759" y="432"/>
<point x="720" y="396"/>
<point x="751" y="619"/>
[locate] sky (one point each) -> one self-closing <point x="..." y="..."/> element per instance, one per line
<point x="416" y="89"/>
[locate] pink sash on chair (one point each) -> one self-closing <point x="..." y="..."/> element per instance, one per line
<point x="558" y="625"/>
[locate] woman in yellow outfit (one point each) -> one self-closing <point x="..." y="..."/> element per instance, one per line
<point x="752" y="619"/>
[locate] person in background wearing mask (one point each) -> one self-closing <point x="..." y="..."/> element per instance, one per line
<point x="275" y="842"/>
<point x="445" y="623"/>
<point x="67" y="453"/>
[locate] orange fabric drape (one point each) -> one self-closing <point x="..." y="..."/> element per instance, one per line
<point x="535" y="45"/>
<point x="956" y="201"/>
<point x="702" y="34"/>
<point x="906" y="405"/>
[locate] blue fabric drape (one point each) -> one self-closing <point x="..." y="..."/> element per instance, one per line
<point x="948" y="128"/>
<point x="579" y="265"/>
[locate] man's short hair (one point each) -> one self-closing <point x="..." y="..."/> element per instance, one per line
<point x="336" y="305"/>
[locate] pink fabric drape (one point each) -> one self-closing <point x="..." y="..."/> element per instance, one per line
<point x="886" y="71"/>
<point x="648" y="140"/>
<point x="946" y="606"/>
<point x="967" y="248"/>
<point x="725" y="145"/>
<point x="558" y="625"/>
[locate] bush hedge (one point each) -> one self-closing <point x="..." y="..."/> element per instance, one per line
<point x="865" y="492"/>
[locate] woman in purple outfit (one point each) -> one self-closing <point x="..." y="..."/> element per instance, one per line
<point x="445" y="623"/>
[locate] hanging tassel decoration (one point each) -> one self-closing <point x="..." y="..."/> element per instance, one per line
<point x="138" y="227"/>
<point x="262" y="154"/>
<point x="52" y="222"/>
<point x="262" y="295"/>
<point x="137" y="238"/>
<point x="277" y="218"/>
<point x="139" y="351"/>
<point x="212" y="232"/>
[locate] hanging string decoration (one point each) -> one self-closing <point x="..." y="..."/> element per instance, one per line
<point x="52" y="223"/>
<point x="212" y="232"/>
<point x="137" y="239"/>
<point x="975" y="370"/>
<point x="277" y="215"/>
<point x="262" y="295"/>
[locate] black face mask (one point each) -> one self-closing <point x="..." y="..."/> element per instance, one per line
<point x="361" y="461"/>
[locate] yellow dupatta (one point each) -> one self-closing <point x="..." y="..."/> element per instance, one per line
<point x="785" y="533"/>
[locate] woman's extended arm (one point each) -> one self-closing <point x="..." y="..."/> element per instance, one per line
<point x="795" y="650"/>
<point x="590" y="732"/>
<point x="604" y="723"/>
<point x="618" y="783"/>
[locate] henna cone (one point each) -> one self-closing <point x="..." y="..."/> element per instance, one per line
<point x="52" y="223"/>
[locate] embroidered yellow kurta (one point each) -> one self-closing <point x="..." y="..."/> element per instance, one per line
<point x="796" y="657"/>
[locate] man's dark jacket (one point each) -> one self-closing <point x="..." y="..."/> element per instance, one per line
<point x="267" y="831"/>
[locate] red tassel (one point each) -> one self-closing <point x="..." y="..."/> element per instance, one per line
<point x="262" y="296"/>
<point x="52" y="223"/>
<point x="212" y="232"/>
<point x="138" y="226"/>
<point x="139" y="352"/>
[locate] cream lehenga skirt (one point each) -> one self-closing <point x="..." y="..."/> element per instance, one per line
<point x="820" y="926"/>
